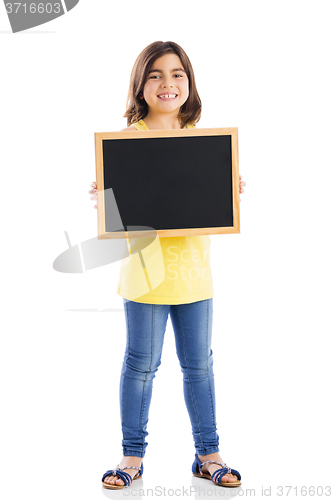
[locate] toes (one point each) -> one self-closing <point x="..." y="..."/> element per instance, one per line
<point x="119" y="482"/>
<point x="229" y="478"/>
<point x="109" y="479"/>
<point x="114" y="480"/>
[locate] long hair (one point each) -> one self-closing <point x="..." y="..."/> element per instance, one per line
<point x="137" y="108"/>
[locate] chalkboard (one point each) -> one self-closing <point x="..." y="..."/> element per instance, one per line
<point x="177" y="182"/>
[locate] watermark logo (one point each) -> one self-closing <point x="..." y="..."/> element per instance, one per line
<point x="142" y="256"/>
<point x="28" y="14"/>
<point x="188" y="264"/>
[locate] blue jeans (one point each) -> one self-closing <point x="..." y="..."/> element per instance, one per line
<point x="146" y="325"/>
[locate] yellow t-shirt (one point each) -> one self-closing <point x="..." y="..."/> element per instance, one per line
<point x="173" y="270"/>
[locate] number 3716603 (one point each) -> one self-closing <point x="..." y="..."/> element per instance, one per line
<point x="33" y="8"/>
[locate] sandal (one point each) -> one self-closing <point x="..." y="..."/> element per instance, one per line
<point x="217" y="475"/>
<point x="127" y="478"/>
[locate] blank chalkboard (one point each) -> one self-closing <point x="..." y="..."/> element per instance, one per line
<point x="178" y="182"/>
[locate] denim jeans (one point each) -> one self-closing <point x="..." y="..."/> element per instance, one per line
<point x="146" y="325"/>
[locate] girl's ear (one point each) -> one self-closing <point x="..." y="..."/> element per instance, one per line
<point x="140" y="95"/>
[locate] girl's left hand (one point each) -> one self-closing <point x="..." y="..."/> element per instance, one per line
<point x="241" y="185"/>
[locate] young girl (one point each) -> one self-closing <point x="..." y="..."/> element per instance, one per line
<point x="163" y="95"/>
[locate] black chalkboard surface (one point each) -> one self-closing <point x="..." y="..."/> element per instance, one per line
<point x="178" y="182"/>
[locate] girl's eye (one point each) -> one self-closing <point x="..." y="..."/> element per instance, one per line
<point x="156" y="76"/>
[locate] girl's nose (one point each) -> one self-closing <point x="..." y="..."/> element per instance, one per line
<point x="167" y="83"/>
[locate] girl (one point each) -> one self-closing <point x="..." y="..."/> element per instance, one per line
<point x="163" y="95"/>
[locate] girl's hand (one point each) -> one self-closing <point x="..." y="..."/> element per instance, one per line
<point x="241" y="185"/>
<point x="93" y="192"/>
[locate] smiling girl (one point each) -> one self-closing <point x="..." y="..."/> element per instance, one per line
<point x="163" y="95"/>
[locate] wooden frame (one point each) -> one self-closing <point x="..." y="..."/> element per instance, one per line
<point x="145" y="134"/>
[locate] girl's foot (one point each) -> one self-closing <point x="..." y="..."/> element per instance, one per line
<point x="231" y="478"/>
<point x="127" y="461"/>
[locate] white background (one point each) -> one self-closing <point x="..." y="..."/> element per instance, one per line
<point x="262" y="66"/>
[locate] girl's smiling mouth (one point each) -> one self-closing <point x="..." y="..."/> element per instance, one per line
<point x="167" y="96"/>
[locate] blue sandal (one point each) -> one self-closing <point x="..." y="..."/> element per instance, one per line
<point x="217" y="475"/>
<point x="127" y="478"/>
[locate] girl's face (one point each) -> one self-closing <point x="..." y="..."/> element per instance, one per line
<point x="167" y="85"/>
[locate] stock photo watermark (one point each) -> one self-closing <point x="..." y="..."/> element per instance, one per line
<point x="139" y="248"/>
<point x="142" y="252"/>
<point x="223" y="492"/>
<point x="25" y="15"/>
<point x="185" y="269"/>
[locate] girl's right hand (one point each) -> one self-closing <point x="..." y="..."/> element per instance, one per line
<point x="93" y="192"/>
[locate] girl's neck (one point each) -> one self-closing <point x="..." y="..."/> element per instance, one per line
<point x="161" y="122"/>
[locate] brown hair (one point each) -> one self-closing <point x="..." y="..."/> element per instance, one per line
<point x="137" y="108"/>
